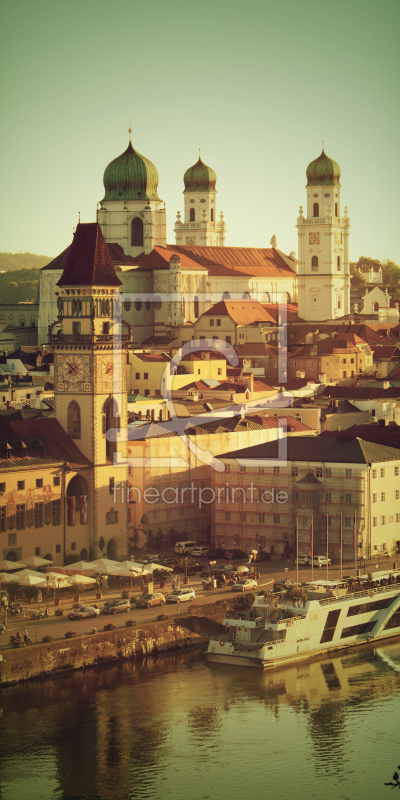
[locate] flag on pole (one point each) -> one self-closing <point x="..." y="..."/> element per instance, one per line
<point x="83" y="509"/>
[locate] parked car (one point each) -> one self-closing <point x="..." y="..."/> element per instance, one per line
<point x="149" y="600"/>
<point x="216" y="553"/>
<point x="244" y="585"/>
<point x="261" y="556"/>
<point x="84" y="611"/>
<point x="170" y="562"/>
<point x="303" y="561"/>
<point x="199" y="552"/>
<point x="127" y="594"/>
<point x="151" y="557"/>
<point x="283" y="586"/>
<point x="181" y="595"/>
<point x="242" y="571"/>
<point x="116" y="606"/>
<point x="320" y="561"/>
<point x="232" y="555"/>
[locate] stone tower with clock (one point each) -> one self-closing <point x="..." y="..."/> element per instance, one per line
<point x="200" y="226"/>
<point x="323" y="266"/>
<point x="90" y="380"/>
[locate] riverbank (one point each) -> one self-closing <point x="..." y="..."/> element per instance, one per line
<point x="39" y="661"/>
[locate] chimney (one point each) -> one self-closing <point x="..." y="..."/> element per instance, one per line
<point x="248" y="380"/>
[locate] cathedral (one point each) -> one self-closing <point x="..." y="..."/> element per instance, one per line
<point x="165" y="287"/>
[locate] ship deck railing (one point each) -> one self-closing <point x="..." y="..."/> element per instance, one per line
<point x="390" y="587"/>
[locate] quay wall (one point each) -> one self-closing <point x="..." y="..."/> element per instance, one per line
<point x="42" y="660"/>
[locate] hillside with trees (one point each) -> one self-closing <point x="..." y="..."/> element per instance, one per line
<point x="17" y="261"/>
<point x="19" y="286"/>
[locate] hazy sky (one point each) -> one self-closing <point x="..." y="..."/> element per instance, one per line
<point x="257" y="85"/>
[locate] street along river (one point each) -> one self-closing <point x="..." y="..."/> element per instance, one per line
<point x="176" y="727"/>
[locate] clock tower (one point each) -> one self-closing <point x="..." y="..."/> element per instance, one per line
<point x="323" y="266"/>
<point x="90" y="379"/>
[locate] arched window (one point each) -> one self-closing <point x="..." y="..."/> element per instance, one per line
<point x="77" y="501"/>
<point x="338" y="262"/>
<point x="192" y="216"/>
<point x="376" y="307"/>
<point x="110" y="409"/>
<point x="266" y="298"/>
<point x="226" y="296"/>
<point x="314" y="264"/>
<point x="316" y="210"/>
<point x="336" y="210"/>
<point x="74" y="420"/>
<point x="339" y="303"/>
<point x="183" y="307"/>
<point x="157" y="303"/>
<point x="152" y="414"/>
<point x="196" y="307"/>
<point x="137" y="232"/>
<point x="77" y="307"/>
<point x="212" y="215"/>
<point x="246" y="296"/>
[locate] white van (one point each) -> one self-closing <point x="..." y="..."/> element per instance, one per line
<point x="184" y="547"/>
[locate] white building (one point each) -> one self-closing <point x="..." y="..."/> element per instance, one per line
<point x="323" y="269"/>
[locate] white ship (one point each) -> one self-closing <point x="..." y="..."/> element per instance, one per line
<point x="325" y="618"/>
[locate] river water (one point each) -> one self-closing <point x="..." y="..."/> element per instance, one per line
<point x="177" y="727"/>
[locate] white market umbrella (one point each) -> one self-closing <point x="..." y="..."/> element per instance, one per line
<point x="7" y="578"/>
<point x="81" y="579"/>
<point x="35" y="561"/>
<point x="28" y="573"/>
<point x="81" y="566"/>
<point x="9" y="565"/>
<point x="29" y="580"/>
<point x="56" y="580"/>
<point x="153" y="566"/>
<point x="106" y="569"/>
<point x="131" y="573"/>
<point x="139" y="567"/>
<point x="130" y="565"/>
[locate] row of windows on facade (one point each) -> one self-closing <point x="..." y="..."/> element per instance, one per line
<point x="76" y="328"/>
<point x="311" y="363"/>
<point x="192" y="215"/>
<point x="316" y="209"/>
<point x="314" y="264"/>
<point x="83" y="555"/>
<point x="319" y="472"/>
<point x="37" y="515"/>
<point x="21" y="484"/>
<point x="27" y="518"/>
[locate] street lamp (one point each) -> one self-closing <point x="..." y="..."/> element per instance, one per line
<point x="47" y="591"/>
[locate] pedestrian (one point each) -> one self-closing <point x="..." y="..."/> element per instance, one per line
<point x="18" y="637"/>
<point x="25" y="635"/>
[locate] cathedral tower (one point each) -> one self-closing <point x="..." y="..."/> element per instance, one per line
<point x="200" y="226"/>
<point x="323" y="267"/>
<point x="131" y="212"/>
<point x="90" y="378"/>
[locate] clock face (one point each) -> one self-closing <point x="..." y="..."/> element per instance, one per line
<point x="339" y="238"/>
<point x="73" y="373"/>
<point x="73" y="369"/>
<point x="313" y="238"/>
<point x="107" y="367"/>
<point x="190" y="240"/>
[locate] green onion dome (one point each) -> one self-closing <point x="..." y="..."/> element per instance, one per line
<point x="130" y="177"/>
<point x="199" y="178"/>
<point x="324" y="171"/>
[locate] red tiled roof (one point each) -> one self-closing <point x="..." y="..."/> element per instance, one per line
<point x="89" y="263"/>
<point x="242" y="312"/>
<point x="247" y="260"/>
<point x="157" y="357"/>
<point x="361" y="392"/>
<point x="57" y="444"/>
<point x="160" y="257"/>
<point x="116" y="252"/>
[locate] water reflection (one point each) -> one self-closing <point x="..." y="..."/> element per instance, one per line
<point x="175" y="726"/>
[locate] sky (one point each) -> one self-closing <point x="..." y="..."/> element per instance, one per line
<point x="256" y="85"/>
